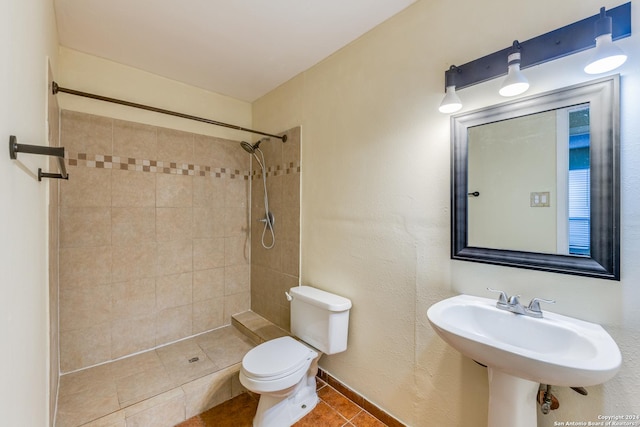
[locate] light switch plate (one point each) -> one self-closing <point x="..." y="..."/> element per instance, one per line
<point x="540" y="199"/>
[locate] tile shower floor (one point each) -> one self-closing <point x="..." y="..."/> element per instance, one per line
<point x="139" y="389"/>
<point x="333" y="410"/>
<point x="161" y="388"/>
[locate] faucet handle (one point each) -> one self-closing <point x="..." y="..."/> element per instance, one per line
<point x="502" y="299"/>
<point x="514" y="300"/>
<point x="534" y="305"/>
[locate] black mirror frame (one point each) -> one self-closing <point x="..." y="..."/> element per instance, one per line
<point x="603" y="96"/>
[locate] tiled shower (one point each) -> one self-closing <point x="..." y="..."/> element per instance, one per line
<point x="155" y="239"/>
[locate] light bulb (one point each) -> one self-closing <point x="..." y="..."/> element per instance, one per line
<point x="515" y="83"/>
<point x="607" y="56"/>
<point x="451" y="101"/>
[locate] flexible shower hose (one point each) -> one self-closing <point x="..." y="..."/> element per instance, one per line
<point x="268" y="219"/>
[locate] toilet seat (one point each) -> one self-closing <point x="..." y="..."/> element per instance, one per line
<point x="276" y="359"/>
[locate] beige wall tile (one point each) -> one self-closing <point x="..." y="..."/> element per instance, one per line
<point x="86" y="133"/>
<point x="272" y="150"/>
<point x="175" y="146"/>
<point x="173" y="393"/>
<point x="236" y="221"/>
<point x="236" y="303"/>
<point x="290" y="257"/>
<point x="208" y="284"/>
<point x="85" y="347"/>
<point x="208" y="253"/>
<point x="289" y="223"/>
<point x="133" y="189"/>
<point x="132" y="334"/>
<point x="173" y="324"/>
<point x="257" y="196"/>
<point x="236" y="192"/>
<point x="237" y="278"/>
<point x="166" y="414"/>
<point x="237" y="250"/>
<point x="271" y="258"/>
<point x="208" y="223"/>
<point x="208" y="314"/>
<point x="206" y="392"/>
<point x="134" y="262"/>
<point x="134" y="140"/>
<point x="174" y="290"/>
<point x="174" y="224"/>
<point x="143" y="385"/>
<point x="174" y="191"/>
<point x="133" y="298"/>
<point x="291" y="191"/>
<point x="82" y="227"/>
<point x="175" y="257"/>
<point x="84" y="307"/>
<point x="133" y="226"/>
<point x="291" y="148"/>
<point x="229" y="154"/>
<point x="97" y="380"/>
<point x="86" y="187"/>
<point x="275" y="189"/>
<point x="85" y="266"/>
<point x="78" y="409"/>
<point x="204" y="149"/>
<point x="208" y="191"/>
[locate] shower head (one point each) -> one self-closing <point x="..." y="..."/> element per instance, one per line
<point x="252" y="148"/>
<point x="248" y="147"/>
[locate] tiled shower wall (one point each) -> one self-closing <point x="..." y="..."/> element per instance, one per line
<point x="275" y="270"/>
<point x="154" y="237"/>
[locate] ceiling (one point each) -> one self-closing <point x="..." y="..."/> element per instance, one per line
<point x="239" y="48"/>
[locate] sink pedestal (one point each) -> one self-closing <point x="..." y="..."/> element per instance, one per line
<point x="512" y="400"/>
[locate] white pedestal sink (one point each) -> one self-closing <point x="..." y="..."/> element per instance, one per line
<point x="521" y="352"/>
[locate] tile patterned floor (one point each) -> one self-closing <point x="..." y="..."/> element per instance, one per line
<point x="113" y="388"/>
<point x="333" y="410"/>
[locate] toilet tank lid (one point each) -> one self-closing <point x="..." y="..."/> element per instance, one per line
<point x="320" y="298"/>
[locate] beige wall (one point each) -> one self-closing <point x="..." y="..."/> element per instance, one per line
<point x="375" y="207"/>
<point x="53" y="118"/>
<point x="91" y="74"/>
<point x="154" y="238"/>
<point x="274" y="271"/>
<point x="28" y="39"/>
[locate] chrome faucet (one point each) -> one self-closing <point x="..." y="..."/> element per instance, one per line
<point x="512" y="304"/>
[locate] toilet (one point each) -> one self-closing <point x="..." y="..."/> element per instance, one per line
<point x="283" y="370"/>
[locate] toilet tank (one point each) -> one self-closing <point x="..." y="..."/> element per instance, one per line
<point x="320" y="318"/>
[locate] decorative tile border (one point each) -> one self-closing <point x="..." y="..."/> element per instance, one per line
<point x="290" y="168"/>
<point x="100" y="161"/>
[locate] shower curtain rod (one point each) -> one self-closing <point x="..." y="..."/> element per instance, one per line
<point x="55" y="88"/>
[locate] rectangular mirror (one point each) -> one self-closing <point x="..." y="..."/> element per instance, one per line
<point x="535" y="182"/>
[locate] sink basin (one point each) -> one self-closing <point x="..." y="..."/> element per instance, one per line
<point x="556" y="349"/>
<point x="521" y="352"/>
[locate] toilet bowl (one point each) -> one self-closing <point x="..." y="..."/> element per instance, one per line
<point x="283" y="370"/>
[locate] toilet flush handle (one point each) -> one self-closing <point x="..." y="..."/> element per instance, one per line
<point x="289" y="297"/>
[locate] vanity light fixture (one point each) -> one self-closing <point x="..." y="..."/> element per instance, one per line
<point x="451" y="101"/>
<point x="573" y="38"/>
<point x="607" y="56"/>
<point x="515" y="83"/>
